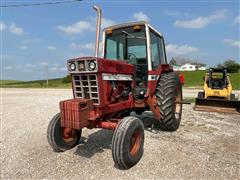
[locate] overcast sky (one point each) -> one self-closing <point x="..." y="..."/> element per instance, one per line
<point x="33" y="37"/>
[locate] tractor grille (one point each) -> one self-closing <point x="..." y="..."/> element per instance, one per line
<point x="86" y="86"/>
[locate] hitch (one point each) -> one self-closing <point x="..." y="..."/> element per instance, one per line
<point x="182" y="102"/>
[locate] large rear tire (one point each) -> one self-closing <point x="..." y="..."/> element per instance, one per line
<point x="168" y="92"/>
<point x="59" y="138"/>
<point x="127" y="142"/>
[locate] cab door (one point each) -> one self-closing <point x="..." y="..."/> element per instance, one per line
<point x="158" y="59"/>
<point x="158" y="55"/>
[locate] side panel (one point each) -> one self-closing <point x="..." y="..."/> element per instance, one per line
<point x="113" y="75"/>
<point x="115" y="67"/>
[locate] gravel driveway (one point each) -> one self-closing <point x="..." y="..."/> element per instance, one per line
<point x="207" y="145"/>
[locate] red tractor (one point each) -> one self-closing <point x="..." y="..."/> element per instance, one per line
<point x="132" y="75"/>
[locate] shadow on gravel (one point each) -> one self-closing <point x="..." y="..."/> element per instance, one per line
<point x="95" y="143"/>
<point x="102" y="139"/>
<point x="149" y="122"/>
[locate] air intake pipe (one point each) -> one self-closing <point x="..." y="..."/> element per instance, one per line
<point x="98" y="28"/>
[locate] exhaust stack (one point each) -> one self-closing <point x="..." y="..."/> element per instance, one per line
<point x="98" y="28"/>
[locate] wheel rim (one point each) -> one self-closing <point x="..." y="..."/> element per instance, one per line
<point x="68" y="134"/>
<point x="135" y="142"/>
<point x="177" y="106"/>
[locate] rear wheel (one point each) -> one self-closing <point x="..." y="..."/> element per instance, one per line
<point x="60" y="138"/>
<point x="168" y="93"/>
<point x="127" y="142"/>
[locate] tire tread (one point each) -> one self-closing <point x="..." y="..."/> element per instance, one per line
<point x="165" y="94"/>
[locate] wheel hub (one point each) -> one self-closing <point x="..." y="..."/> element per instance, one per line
<point x="135" y="143"/>
<point x="67" y="134"/>
<point x="177" y="107"/>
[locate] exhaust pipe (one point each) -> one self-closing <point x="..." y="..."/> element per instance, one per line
<point x="98" y="28"/>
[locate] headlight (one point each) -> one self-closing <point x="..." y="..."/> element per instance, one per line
<point x="72" y="66"/>
<point x="91" y="65"/>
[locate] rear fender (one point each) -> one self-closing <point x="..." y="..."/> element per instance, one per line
<point x="154" y="75"/>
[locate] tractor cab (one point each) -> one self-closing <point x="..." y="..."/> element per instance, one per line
<point x="138" y="44"/>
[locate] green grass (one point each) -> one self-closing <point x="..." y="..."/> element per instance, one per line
<point x="235" y="80"/>
<point x="52" y="83"/>
<point x="192" y="79"/>
<point x="195" y="79"/>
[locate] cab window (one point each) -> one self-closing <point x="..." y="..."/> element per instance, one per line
<point x="157" y="50"/>
<point x="161" y="50"/>
<point x="126" y="44"/>
<point x="154" y="50"/>
<point x="115" y="47"/>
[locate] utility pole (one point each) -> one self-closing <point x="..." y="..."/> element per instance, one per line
<point x="47" y="74"/>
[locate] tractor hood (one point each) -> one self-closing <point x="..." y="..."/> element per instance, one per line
<point x="99" y="65"/>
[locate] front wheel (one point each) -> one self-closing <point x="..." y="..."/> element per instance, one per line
<point x="60" y="138"/>
<point x="168" y="94"/>
<point x="127" y="142"/>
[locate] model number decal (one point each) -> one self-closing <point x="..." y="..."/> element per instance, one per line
<point x="116" y="77"/>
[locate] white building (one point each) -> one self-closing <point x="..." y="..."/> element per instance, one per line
<point x="202" y="68"/>
<point x="188" y="67"/>
<point x="176" y="68"/>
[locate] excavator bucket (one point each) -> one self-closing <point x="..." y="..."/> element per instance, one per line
<point x="217" y="105"/>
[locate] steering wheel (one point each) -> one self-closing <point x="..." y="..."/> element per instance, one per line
<point x="132" y="58"/>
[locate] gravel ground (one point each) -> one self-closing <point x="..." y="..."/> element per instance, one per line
<point x="207" y="145"/>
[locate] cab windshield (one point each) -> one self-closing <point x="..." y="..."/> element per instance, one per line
<point x="126" y="44"/>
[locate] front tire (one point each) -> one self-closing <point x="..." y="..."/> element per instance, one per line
<point x="169" y="90"/>
<point x="60" y="138"/>
<point x="127" y="142"/>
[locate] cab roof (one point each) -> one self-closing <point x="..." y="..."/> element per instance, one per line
<point x="123" y="25"/>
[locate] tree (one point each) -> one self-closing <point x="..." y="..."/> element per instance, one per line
<point x="66" y="79"/>
<point x="173" y="62"/>
<point x="231" y="66"/>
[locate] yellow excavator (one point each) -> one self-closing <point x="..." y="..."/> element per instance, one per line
<point x="217" y="93"/>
